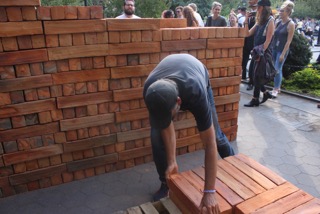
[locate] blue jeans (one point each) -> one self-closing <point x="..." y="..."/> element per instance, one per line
<point x="278" y="66"/>
<point x="158" y="148"/>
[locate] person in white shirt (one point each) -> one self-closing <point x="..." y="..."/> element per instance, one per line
<point x="242" y="16"/>
<point x="196" y="14"/>
<point x="128" y="11"/>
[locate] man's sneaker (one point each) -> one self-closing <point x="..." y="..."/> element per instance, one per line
<point x="161" y="193"/>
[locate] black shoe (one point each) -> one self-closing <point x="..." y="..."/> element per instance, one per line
<point x="252" y="103"/>
<point x="161" y="193"/>
<point x="250" y="87"/>
<point x="266" y="96"/>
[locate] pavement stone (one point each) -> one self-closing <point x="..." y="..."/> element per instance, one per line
<point x="282" y="134"/>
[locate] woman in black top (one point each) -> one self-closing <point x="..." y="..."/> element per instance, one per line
<point x="216" y="20"/>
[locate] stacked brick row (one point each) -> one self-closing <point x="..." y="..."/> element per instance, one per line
<point x="71" y="83"/>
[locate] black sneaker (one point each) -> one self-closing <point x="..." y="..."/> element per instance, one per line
<point x="161" y="193"/>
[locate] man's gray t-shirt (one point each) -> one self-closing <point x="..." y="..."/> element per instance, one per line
<point x="192" y="79"/>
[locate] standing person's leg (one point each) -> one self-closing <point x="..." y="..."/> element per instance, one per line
<point x="245" y="59"/>
<point x="224" y="147"/>
<point x="160" y="160"/>
<point x="266" y="94"/>
<point x="256" y="94"/>
<point x="251" y="83"/>
<point x="278" y="66"/>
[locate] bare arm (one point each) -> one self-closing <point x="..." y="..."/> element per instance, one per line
<point x="209" y="201"/>
<point x="270" y="31"/>
<point x="169" y="138"/>
<point x="289" y="40"/>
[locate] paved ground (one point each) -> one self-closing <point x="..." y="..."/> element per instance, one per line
<point x="283" y="134"/>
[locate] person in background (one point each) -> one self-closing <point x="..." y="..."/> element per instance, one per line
<point x="242" y="15"/>
<point x="188" y="14"/>
<point x="196" y="14"/>
<point x="233" y="20"/>
<point x="216" y="20"/>
<point x="248" y="44"/>
<point x="167" y="14"/>
<point x="263" y="32"/>
<point x="181" y="81"/>
<point x="281" y="42"/>
<point x="128" y="11"/>
<point x="179" y="12"/>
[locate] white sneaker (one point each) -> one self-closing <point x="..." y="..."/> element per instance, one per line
<point x="274" y="93"/>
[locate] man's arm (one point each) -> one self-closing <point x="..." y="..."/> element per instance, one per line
<point x="169" y="139"/>
<point x="208" y="138"/>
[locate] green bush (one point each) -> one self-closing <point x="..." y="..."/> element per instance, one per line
<point x="299" y="55"/>
<point x="305" y="81"/>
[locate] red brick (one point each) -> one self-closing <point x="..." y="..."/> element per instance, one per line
<point x="5" y="99"/>
<point x="38" y="41"/>
<point x="136" y="36"/>
<point x="3" y="14"/>
<point x="36" y="69"/>
<point x="74" y="64"/>
<point x="60" y="137"/>
<point x="83" y="12"/>
<point x="90" y="38"/>
<point x="32" y="165"/>
<point x="43" y="93"/>
<point x="78" y="175"/>
<point x="114" y="37"/>
<point x="52" y="41"/>
<point x="68" y="89"/>
<point x="103" y="85"/>
<point x="56" y="180"/>
<point x="43" y="162"/>
<point x="92" y="87"/>
<point x="81" y="111"/>
<point x="62" y="65"/>
<point x="77" y="155"/>
<point x="111" y="61"/>
<point x="57" y="13"/>
<point x="96" y="12"/>
<point x="18" y="121"/>
<point x="55" y="160"/>
<point x="45" y="117"/>
<point x="81" y="88"/>
<point x="102" y="37"/>
<point x="92" y="110"/>
<point x="66" y="157"/>
<point x="34" y="185"/>
<point x="93" y="131"/>
<point x="20" y="168"/>
<point x="50" y="67"/>
<point x="65" y="40"/>
<point x="56" y="91"/>
<point x="146" y="36"/>
<point x="133" y="59"/>
<point x="154" y="58"/>
<point x="17" y="97"/>
<point x="67" y="177"/>
<point x="44" y="13"/>
<point x="10" y="44"/>
<point x="5" y="124"/>
<point x="122" y="60"/>
<point x="71" y="12"/>
<point x="71" y="135"/>
<point x="78" y="39"/>
<point x="32" y="119"/>
<point x="86" y="63"/>
<point x="100" y="170"/>
<point x="23" y="70"/>
<point x="68" y="113"/>
<point x="98" y="62"/>
<point x="14" y="14"/>
<point x="83" y="133"/>
<point x="31" y="95"/>
<point x="24" y="42"/>
<point x="29" y="13"/>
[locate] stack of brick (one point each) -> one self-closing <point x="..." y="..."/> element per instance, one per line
<point x="71" y="83"/>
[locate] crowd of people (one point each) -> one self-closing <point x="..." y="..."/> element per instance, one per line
<point x="181" y="82"/>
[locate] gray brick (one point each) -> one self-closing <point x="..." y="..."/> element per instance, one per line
<point x="10" y="146"/>
<point x="5" y="124"/>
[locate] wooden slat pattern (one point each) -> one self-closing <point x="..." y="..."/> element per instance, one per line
<point x="29" y="131"/>
<point x="74" y="26"/>
<point x="183" y="45"/>
<point x="81" y="76"/>
<point x="27" y="108"/>
<point x="9" y="29"/>
<point x="84" y="122"/>
<point x="225" y="43"/>
<point x="4" y="3"/>
<point x="133" y="24"/>
<point x="78" y="51"/>
<point x="22" y="57"/>
<point x="127" y="94"/>
<point x="134" y="48"/>
<point x="131" y="71"/>
<point x="22" y="156"/>
<point x="25" y="83"/>
<point x="84" y="99"/>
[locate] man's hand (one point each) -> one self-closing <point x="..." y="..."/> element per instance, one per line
<point x="172" y="169"/>
<point x="209" y="204"/>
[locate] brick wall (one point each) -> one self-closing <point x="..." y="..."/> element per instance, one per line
<point x="71" y="83"/>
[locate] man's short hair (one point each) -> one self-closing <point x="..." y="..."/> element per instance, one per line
<point x="125" y="2"/>
<point x="160" y="98"/>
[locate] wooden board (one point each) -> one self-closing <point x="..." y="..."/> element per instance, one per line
<point x="4" y="3"/>
<point x="9" y="29"/>
<point x="74" y="26"/>
<point x="22" y="57"/>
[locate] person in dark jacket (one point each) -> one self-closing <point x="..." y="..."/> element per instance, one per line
<point x="263" y="32"/>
